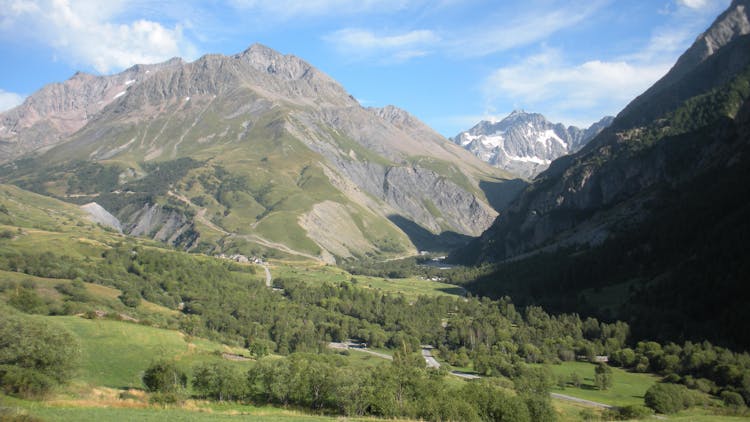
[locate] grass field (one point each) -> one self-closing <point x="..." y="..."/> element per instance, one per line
<point x="627" y="389"/>
<point x="316" y="274"/>
<point x="115" y="353"/>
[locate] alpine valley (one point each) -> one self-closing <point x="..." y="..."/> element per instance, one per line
<point x="238" y="238"/>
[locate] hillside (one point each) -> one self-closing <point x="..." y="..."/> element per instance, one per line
<point x="259" y="153"/>
<point x="645" y="223"/>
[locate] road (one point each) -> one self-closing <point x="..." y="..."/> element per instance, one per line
<point x="427" y="355"/>
<point x="581" y="401"/>
<point x="433" y="363"/>
<point x="350" y="345"/>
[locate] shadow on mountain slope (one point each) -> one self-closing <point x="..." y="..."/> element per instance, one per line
<point x="502" y="192"/>
<point x="425" y="240"/>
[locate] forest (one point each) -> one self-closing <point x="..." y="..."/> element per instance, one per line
<point x="286" y="330"/>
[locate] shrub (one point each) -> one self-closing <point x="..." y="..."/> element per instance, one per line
<point x="668" y="398"/>
<point x="24" y="382"/>
<point x="626" y="413"/>
<point x="164" y="377"/>
<point x="732" y="399"/>
<point x="41" y="347"/>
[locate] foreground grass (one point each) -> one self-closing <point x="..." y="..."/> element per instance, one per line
<point x="191" y="411"/>
<point x="628" y="388"/>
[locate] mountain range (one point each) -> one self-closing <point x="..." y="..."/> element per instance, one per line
<point x="257" y="152"/>
<point x="525" y="143"/>
<point x="648" y="220"/>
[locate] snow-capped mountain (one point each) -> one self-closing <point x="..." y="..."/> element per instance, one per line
<point x="525" y="143"/>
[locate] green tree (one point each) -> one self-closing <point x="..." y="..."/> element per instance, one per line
<point x="219" y="381"/>
<point x="668" y="398"/>
<point x="34" y="354"/>
<point x="164" y="377"/>
<point x="603" y="376"/>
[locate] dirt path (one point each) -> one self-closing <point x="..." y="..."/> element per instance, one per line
<point x="200" y="216"/>
<point x="268" y="275"/>
<point x="580" y="401"/>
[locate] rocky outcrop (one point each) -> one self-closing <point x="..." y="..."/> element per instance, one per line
<point x="159" y="223"/>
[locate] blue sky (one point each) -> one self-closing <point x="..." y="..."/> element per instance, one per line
<point x="449" y="62"/>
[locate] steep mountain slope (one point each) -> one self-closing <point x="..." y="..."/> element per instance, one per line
<point x="57" y="110"/>
<point x="261" y="150"/>
<point x="644" y="223"/>
<point x="525" y="143"/>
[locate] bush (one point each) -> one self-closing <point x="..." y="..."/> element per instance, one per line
<point x="626" y="413"/>
<point x="668" y="398"/>
<point x="164" y="377"/>
<point x="41" y="347"/>
<point x="24" y="382"/>
<point x="732" y="399"/>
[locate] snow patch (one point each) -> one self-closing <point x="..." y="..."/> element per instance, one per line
<point x="129" y="81"/>
<point x="535" y="160"/>
<point x="550" y="134"/>
<point x="119" y="94"/>
<point x="187" y="98"/>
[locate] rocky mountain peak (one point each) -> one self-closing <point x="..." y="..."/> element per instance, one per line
<point x="714" y="58"/>
<point x="733" y="23"/>
<point x="525" y="143"/>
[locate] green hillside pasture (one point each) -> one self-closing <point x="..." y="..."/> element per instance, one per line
<point x="410" y="287"/>
<point x="628" y="388"/>
<point x="115" y="354"/>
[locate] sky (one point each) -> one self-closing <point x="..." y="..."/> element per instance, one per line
<point x="449" y="62"/>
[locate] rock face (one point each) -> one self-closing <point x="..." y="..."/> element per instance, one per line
<point x="56" y="111"/>
<point x="275" y="143"/>
<point x="680" y="129"/>
<point x="525" y="143"/>
<point x="99" y="215"/>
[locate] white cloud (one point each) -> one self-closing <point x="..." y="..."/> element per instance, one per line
<point x="693" y="4"/>
<point x="285" y="9"/>
<point x="396" y="47"/>
<point x="523" y="30"/>
<point x="9" y="100"/>
<point x="87" y="33"/>
<point x="579" y="93"/>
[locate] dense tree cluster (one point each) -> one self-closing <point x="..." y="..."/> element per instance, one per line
<point x="229" y="302"/>
<point x="324" y="383"/>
